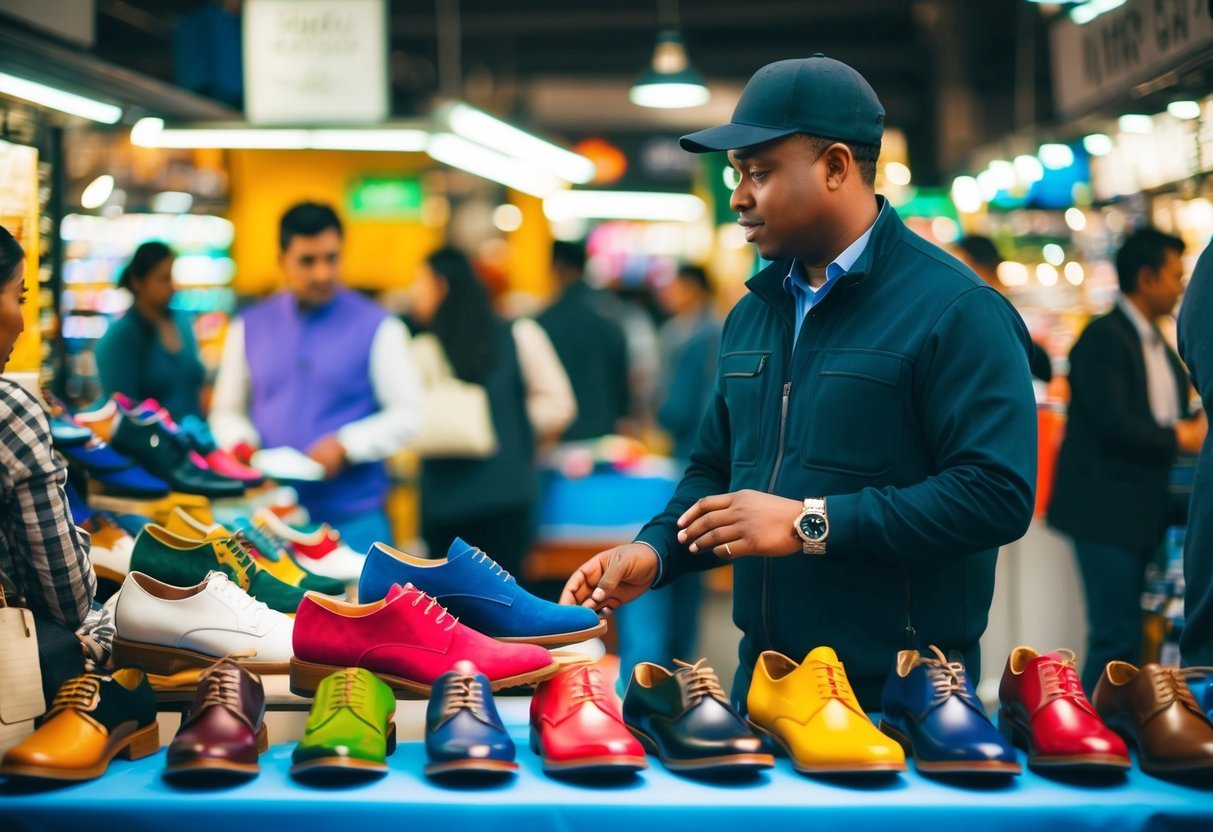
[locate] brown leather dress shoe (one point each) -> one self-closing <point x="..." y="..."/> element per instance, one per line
<point x="225" y="729"/>
<point x="1154" y="708"/>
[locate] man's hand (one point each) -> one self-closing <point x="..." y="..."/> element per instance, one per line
<point x="611" y="578"/>
<point x="1190" y="433"/>
<point x="746" y="522"/>
<point x="330" y="453"/>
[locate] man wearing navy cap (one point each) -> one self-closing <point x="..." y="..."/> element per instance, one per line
<point x="871" y="440"/>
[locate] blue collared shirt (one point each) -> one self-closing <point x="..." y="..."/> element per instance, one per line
<point x="797" y="285"/>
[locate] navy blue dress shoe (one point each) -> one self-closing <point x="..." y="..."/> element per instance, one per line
<point x="930" y="707"/>
<point x="485" y="597"/>
<point x="67" y="433"/>
<point x="463" y="733"/>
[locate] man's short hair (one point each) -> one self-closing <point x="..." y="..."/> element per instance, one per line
<point x="980" y="250"/>
<point x="865" y="154"/>
<point x="307" y="219"/>
<point x="569" y="255"/>
<point x="696" y="275"/>
<point x="1145" y="248"/>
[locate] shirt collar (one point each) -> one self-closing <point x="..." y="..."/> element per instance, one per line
<point x="842" y="264"/>
<point x="1147" y="330"/>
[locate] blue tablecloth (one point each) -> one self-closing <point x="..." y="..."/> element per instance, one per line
<point x="133" y="797"/>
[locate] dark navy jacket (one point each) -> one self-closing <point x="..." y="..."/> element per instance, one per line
<point x="908" y="405"/>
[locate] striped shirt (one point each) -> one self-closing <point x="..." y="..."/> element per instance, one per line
<point x="41" y="550"/>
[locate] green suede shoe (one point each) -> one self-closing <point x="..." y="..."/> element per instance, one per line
<point x="351" y="728"/>
<point x="179" y="561"/>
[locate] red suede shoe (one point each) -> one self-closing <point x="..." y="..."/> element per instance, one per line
<point x="577" y="726"/>
<point x="1045" y="712"/>
<point x="408" y="640"/>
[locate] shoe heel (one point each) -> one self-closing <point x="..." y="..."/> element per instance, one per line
<point x="263" y="739"/>
<point x="143" y="743"/>
<point x="306" y="676"/>
<point x="536" y="746"/>
<point x="1011" y="732"/>
<point x="646" y="742"/>
<point x="768" y="739"/>
<point x="901" y="739"/>
<point x="391" y="739"/>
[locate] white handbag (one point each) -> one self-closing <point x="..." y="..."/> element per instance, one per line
<point x="457" y="418"/>
<point x="21" y="699"/>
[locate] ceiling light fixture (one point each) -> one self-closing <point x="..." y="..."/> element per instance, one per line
<point x="97" y="192"/>
<point x="623" y="205"/>
<point x="56" y="99"/>
<point x="1184" y="110"/>
<point x="469" y="156"/>
<point x="669" y="83"/>
<point x="493" y="133"/>
<point x="151" y="132"/>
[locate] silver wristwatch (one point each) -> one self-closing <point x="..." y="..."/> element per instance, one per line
<point x="813" y="526"/>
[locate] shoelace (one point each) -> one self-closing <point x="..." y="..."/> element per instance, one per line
<point x="1060" y="679"/>
<point x="433" y="602"/>
<point x="948" y="678"/>
<point x="220" y="583"/>
<point x="222" y="688"/>
<point x="704" y="681"/>
<point x="587" y="685"/>
<point x="462" y="692"/>
<point x="79" y="692"/>
<point x="244" y="550"/>
<point x="272" y="537"/>
<point x="263" y="544"/>
<point x="350" y="693"/>
<point x="483" y="557"/>
<point x="832" y="682"/>
<point x="1172" y="685"/>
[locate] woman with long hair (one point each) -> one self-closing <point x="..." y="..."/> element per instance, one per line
<point x="488" y="502"/>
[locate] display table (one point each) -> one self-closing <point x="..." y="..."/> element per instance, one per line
<point x="133" y="797"/>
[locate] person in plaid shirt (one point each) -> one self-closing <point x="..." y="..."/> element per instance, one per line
<point x="41" y="550"/>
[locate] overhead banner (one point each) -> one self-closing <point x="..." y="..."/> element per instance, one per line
<point x="1101" y="61"/>
<point x="315" y="61"/>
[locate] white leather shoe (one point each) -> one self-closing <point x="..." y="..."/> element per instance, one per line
<point x="286" y="463"/>
<point x="112" y="562"/>
<point x="321" y="552"/>
<point x="167" y="629"/>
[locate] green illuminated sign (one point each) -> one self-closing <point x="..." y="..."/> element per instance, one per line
<point x="385" y="197"/>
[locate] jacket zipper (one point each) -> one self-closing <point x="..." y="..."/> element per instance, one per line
<point x="766" y="562"/>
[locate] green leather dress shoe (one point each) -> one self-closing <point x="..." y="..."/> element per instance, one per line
<point x="351" y="728"/>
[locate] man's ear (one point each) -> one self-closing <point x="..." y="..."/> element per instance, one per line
<point x="840" y="165"/>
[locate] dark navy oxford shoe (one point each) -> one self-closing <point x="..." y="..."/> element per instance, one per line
<point x="930" y="707"/>
<point x="463" y="733"/>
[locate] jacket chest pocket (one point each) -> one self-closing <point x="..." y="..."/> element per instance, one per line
<point x="855" y="423"/>
<point x="743" y="375"/>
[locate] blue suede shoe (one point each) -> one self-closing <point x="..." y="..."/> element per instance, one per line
<point x="463" y="733"/>
<point x="485" y="597"/>
<point x="930" y="707"/>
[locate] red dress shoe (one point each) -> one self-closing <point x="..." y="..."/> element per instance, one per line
<point x="577" y="726"/>
<point x="1045" y="712"/>
<point x="408" y="640"/>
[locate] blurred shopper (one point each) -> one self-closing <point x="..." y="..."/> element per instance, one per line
<point x="664" y="623"/>
<point x="871" y="439"/>
<point x="591" y="347"/>
<point x="42" y="553"/>
<point x="1128" y="420"/>
<point x="1196" y="348"/>
<point x="488" y="502"/>
<point x="325" y="371"/>
<point x="150" y="352"/>
<point x="981" y="255"/>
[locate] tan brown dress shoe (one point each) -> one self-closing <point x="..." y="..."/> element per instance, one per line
<point x="1154" y="708"/>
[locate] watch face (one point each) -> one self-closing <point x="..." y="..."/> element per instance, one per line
<point x="813" y="526"/>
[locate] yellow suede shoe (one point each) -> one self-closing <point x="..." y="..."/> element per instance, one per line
<point x="810" y="711"/>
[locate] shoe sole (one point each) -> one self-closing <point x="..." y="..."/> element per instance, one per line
<point x="558" y="639"/>
<point x="307" y="676"/>
<point x="1077" y="763"/>
<point x="202" y="768"/>
<point x="832" y="768"/>
<point x="167" y="661"/>
<point x="720" y="764"/>
<point x="132" y="743"/>
<point x="988" y="767"/>
<point x="338" y="764"/>
<point x="470" y="768"/>
<point x="613" y="765"/>
<point x="1128" y="733"/>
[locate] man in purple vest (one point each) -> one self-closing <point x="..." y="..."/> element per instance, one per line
<point x="321" y="369"/>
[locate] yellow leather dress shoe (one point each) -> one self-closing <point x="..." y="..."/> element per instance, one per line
<point x="94" y="718"/>
<point x="810" y="711"/>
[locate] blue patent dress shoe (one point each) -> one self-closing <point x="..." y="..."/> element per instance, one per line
<point x="485" y="597"/>
<point x="930" y="707"/>
<point x="463" y="733"/>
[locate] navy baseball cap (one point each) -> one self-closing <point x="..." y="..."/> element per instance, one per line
<point x="818" y="95"/>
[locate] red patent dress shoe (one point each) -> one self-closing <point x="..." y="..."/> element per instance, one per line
<point x="577" y="726"/>
<point x="1045" y="712"/>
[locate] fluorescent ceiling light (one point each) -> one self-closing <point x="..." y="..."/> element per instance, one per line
<point x="151" y="132"/>
<point x="56" y="99"/>
<point x="460" y="153"/>
<point x="97" y="192"/>
<point x="1184" y="110"/>
<point x="482" y="128"/>
<point x="623" y="205"/>
<point x="1137" y="123"/>
<point x="669" y="95"/>
<point x="1056" y="156"/>
<point x="1089" y="11"/>
<point x="1097" y="144"/>
<point x="1028" y="169"/>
